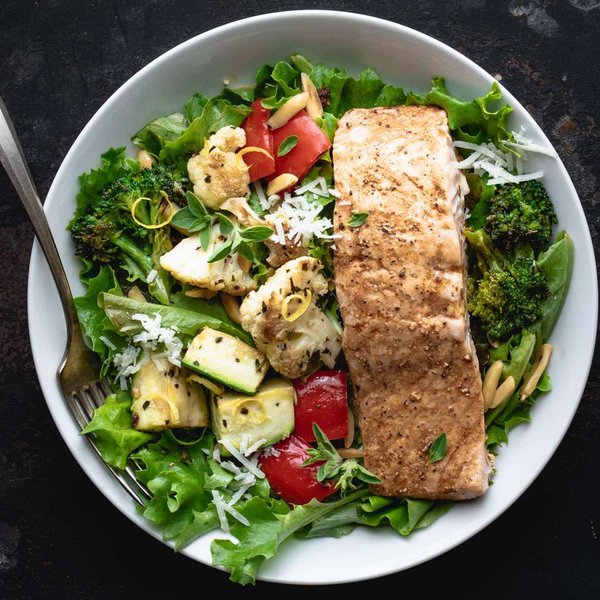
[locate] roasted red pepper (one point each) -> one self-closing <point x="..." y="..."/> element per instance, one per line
<point x="312" y="142"/>
<point x="259" y="135"/>
<point x="293" y="482"/>
<point x="323" y="400"/>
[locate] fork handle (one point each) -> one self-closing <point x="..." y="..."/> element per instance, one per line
<point x="13" y="161"/>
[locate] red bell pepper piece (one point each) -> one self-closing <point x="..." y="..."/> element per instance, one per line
<point x="259" y="135"/>
<point x="312" y="142"/>
<point x="323" y="400"/>
<point x="293" y="482"/>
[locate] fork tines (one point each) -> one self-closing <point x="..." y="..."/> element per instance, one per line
<point x="82" y="403"/>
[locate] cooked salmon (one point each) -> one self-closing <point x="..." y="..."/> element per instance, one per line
<point x="400" y="279"/>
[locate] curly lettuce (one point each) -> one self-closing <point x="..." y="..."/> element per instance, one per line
<point x="472" y="121"/>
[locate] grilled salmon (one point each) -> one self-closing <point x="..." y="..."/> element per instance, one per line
<point x="400" y="280"/>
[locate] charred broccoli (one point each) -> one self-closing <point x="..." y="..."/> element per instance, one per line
<point x="152" y="183"/>
<point x="102" y="237"/>
<point x="509" y="294"/>
<point x="521" y="213"/>
<point x="104" y="230"/>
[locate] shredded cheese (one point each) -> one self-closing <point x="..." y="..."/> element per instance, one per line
<point x="220" y="506"/>
<point x="107" y="342"/>
<point x="251" y="465"/>
<point x="502" y="167"/>
<point x="126" y="363"/>
<point x="271" y="451"/>
<point x="235" y="514"/>
<point x="238" y="495"/>
<point x="256" y="446"/>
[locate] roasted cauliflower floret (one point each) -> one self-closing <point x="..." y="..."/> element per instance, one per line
<point x="216" y="172"/>
<point x="188" y="262"/>
<point x="280" y="253"/>
<point x="283" y="318"/>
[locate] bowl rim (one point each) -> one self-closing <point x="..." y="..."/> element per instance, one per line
<point x="118" y="498"/>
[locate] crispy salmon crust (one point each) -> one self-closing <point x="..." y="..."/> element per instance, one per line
<point x="400" y="280"/>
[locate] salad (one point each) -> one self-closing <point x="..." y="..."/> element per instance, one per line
<point x="211" y="303"/>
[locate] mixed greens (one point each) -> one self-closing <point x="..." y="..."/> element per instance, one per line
<point x="138" y="222"/>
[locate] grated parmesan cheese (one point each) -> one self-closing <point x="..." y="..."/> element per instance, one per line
<point x="235" y="514"/>
<point x="250" y="464"/>
<point x="220" y="506"/>
<point x="238" y="495"/>
<point x="501" y="166"/>
<point x="126" y="363"/>
<point x="107" y="342"/>
<point x="252" y="449"/>
<point x="151" y="276"/>
<point x="271" y="451"/>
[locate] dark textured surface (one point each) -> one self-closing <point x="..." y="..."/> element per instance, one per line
<point x="59" y="61"/>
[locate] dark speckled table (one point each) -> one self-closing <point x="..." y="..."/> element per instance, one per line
<point x="59" y="61"/>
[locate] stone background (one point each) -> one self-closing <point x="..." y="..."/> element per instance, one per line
<point x="59" y="61"/>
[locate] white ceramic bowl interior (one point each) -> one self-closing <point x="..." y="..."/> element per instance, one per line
<point x="402" y="56"/>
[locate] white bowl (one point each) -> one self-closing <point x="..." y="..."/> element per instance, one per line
<point x="402" y="56"/>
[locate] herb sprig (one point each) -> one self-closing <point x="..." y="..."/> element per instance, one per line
<point x="196" y="218"/>
<point x="346" y="472"/>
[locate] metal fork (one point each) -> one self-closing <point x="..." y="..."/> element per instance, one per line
<point x="78" y="372"/>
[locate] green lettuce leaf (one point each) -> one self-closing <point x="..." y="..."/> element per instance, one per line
<point x="181" y="504"/>
<point x="115" y="164"/>
<point x="211" y="307"/>
<point x="338" y="523"/>
<point x="276" y="84"/>
<point x="93" y="320"/>
<point x="215" y="114"/>
<point x="271" y="523"/>
<point x="111" y="428"/>
<point x="187" y="323"/>
<point x="181" y="479"/>
<point x="158" y="132"/>
<point x="557" y="264"/>
<point x="343" y="92"/>
<point x="403" y="515"/>
<point x="517" y="354"/>
<point x="473" y="121"/>
<point x="194" y="106"/>
<point x="481" y="192"/>
<point x="368" y="91"/>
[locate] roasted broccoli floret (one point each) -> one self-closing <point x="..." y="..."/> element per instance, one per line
<point x="152" y="183"/>
<point x="104" y="230"/>
<point x="508" y="295"/>
<point x="521" y="213"/>
<point x="102" y="237"/>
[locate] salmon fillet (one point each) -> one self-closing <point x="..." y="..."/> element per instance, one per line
<point x="400" y="280"/>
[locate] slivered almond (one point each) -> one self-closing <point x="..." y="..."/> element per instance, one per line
<point x="351" y="452"/>
<point x="314" y="108"/>
<point x="200" y="293"/>
<point x="280" y="183"/>
<point x="135" y="294"/>
<point x="291" y="108"/>
<point x="231" y="306"/>
<point x="490" y="382"/>
<point x="350" y="435"/>
<point x="243" y="263"/>
<point x="536" y="372"/>
<point x="503" y="392"/>
<point x="145" y="159"/>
